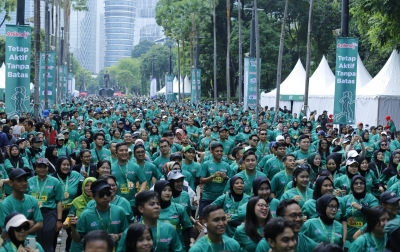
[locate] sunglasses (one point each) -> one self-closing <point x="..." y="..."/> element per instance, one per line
<point x="255" y="140"/>
<point x="42" y="161"/>
<point x="25" y="227"/>
<point x="104" y="193"/>
<point x="383" y="144"/>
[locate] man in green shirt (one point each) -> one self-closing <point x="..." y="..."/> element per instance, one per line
<point x="98" y="240"/>
<point x="22" y="203"/>
<point x="165" y="153"/>
<point x="275" y="164"/>
<point x="104" y="216"/>
<point x="165" y="237"/>
<point x="99" y="153"/>
<point x="302" y="154"/>
<point x="215" y="240"/>
<point x="282" y="178"/>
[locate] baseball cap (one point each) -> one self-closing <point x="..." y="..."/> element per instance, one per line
<point x="222" y="129"/>
<point x="384" y="133"/>
<point x="135" y="135"/>
<point x="60" y="137"/>
<point x="164" y="116"/>
<point x="346" y="141"/>
<point x="188" y="148"/>
<point x="352" y="154"/>
<point x="279" y="138"/>
<point x="175" y="155"/>
<point x="15" y="219"/>
<point x="99" y="185"/>
<point x="304" y="117"/>
<point x="175" y="174"/>
<point x="351" y="161"/>
<point x="139" y="141"/>
<point x="42" y="161"/>
<point x="17" y="173"/>
<point x="389" y="197"/>
<point x="319" y="126"/>
<point x="360" y="123"/>
<point x="120" y="122"/>
<point x="37" y="140"/>
<point x="321" y="133"/>
<point x="249" y="148"/>
<point x="65" y="132"/>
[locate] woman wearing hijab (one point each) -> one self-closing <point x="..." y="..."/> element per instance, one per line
<point x="333" y="164"/>
<point x="368" y="143"/>
<point x="377" y="166"/>
<point x="16" y="226"/>
<point x="325" y="228"/>
<point x="232" y="201"/>
<point x="323" y="186"/>
<point x="391" y="170"/>
<point x="52" y="156"/>
<point x="79" y="203"/>
<point x="314" y="160"/>
<point x="174" y="214"/>
<point x="179" y="191"/>
<point x="69" y="182"/>
<point x="127" y="126"/>
<point x="370" y="178"/>
<point x="250" y="232"/>
<point x="178" y="136"/>
<point x="344" y="181"/>
<point x="356" y="206"/>
<point x="15" y="160"/>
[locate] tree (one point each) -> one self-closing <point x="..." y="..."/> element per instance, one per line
<point x="125" y="77"/>
<point x="142" y="48"/>
<point x="9" y="6"/>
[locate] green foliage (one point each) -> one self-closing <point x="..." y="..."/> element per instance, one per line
<point x="6" y="7"/>
<point x="142" y="48"/>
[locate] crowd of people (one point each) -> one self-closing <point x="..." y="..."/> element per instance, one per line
<point x="113" y="174"/>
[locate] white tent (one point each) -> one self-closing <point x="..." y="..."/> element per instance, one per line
<point x="321" y="79"/>
<point x="175" y="85"/>
<point x="3" y="76"/>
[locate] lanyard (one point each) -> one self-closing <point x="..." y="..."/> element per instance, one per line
<point x="236" y="205"/>
<point x="211" y="244"/>
<point x="101" y="220"/>
<point x="377" y="170"/>
<point x="40" y="191"/>
<point x="97" y="154"/>
<point x="287" y="181"/>
<point x="301" y="195"/>
<point x="332" y="239"/>
<point x="64" y="185"/>
<point x="14" y="247"/>
<point x="155" y="244"/>
<point x="126" y="172"/>
<point x="248" y="182"/>
<point x="380" y="247"/>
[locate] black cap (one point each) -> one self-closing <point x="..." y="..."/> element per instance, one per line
<point x="175" y="155"/>
<point x="99" y="185"/>
<point x="222" y="129"/>
<point x="37" y="140"/>
<point x="17" y="173"/>
<point x="389" y="197"/>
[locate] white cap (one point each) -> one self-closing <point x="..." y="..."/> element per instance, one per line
<point x="139" y="141"/>
<point x="16" y="221"/>
<point x="279" y="138"/>
<point x="351" y="161"/>
<point x="352" y="154"/>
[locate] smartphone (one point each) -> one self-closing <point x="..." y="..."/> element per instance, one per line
<point x="31" y="243"/>
<point x="344" y="187"/>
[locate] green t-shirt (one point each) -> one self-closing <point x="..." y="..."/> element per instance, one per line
<point x="204" y="245"/>
<point x="304" y="244"/>
<point x="165" y="239"/>
<point x="150" y="171"/>
<point x="69" y="189"/>
<point x="289" y="194"/>
<point x="29" y="207"/>
<point x="319" y="232"/>
<point x="262" y="246"/>
<point x="302" y="155"/>
<point x="215" y="188"/>
<point x="193" y="168"/>
<point x="159" y="162"/>
<point x="241" y="213"/>
<point x="355" y="218"/>
<point x="48" y="191"/>
<point x="368" y="243"/>
<point x="279" y="183"/>
<point x="118" y="201"/>
<point x="183" y="200"/>
<point x="99" y="155"/>
<point x="309" y="210"/>
<point x="128" y="175"/>
<point x="245" y="242"/>
<point x="272" y="167"/>
<point x="343" y="181"/>
<point x="7" y="247"/>
<point x="113" y="221"/>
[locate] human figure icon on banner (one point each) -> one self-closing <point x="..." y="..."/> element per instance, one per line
<point x="346" y="101"/>
<point x="19" y="98"/>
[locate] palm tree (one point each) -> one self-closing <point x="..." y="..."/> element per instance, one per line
<point x="215" y="50"/>
<point x="280" y="55"/>
<point x="257" y="54"/>
<point x="240" y="50"/>
<point x="228" y="44"/>
<point x="308" y="56"/>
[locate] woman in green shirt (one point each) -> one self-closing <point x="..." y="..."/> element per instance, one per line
<point x="300" y="191"/>
<point x="391" y="170"/>
<point x="356" y="205"/>
<point x="375" y="237"/>
<point x="333" y="165"/>
<point x="370" y="178"/>
<point x="257" y="216"/>
<point x="314" y="160"/>
<point x="139" y="238"/>
<point x="17" y="225"/>
<point x="343" y="182"/>
<point x="325" y="228"/>
<point x="79" y="203"/>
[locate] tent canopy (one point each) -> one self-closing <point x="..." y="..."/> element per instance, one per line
<point x="321" y="79"/>
<point x="175" y="85"/>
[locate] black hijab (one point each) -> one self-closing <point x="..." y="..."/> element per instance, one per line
<point x="322" y="204"/>
<point x="257" y="182"/>
<point x="348" y="173"/>
<point x="318" y="184"/>
<point x="159" y="187"/>
<point x="236" y="197"/>
<point x="17" y="158"/>
<point x="49" y="155"/>
<point x="337" y="157"/>
<point x="87" y="143"/>
<point x="58" y="168"/>
<point x="377" y="166"/>
<point x="360" y="159"/>
<point x="358" y="196"/>
<point x="391" y="170"/>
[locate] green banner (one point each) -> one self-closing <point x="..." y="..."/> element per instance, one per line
<point x="18" y="59"/>
<point x="194" y="97"/>
<point x="291" y="98"/>
<point x="169" y="90"/>
<point x="51" y="75"/>
<point x="63" y="81"/>
<point x="250" y="82"/>
<point x="346" y="80"/>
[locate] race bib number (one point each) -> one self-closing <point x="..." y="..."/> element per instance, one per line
<point x="66" y="206"/>
<point x="124" y="190"/>
<point x="218" y="180"/>
<point x="356" y="222"/>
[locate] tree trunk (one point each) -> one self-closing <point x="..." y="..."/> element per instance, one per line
<point x="184" y="63"/>
<point x="240" y="51"/>
<point x="308" y="57"/>
<point x="228" y="44"/>
<point x="179" y="72"/>
<point x="215" y="53"/>
<point x="257" y="55"/>
<point x="280" y="55"/>
<point x="36" y="30"/>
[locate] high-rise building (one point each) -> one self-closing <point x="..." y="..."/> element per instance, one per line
<point x="90" y="36"/>
<point x="146" y="27"/>
<point x="119" y="18"/>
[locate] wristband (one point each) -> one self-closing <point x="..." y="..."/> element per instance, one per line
<point x="59" y="220"/>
